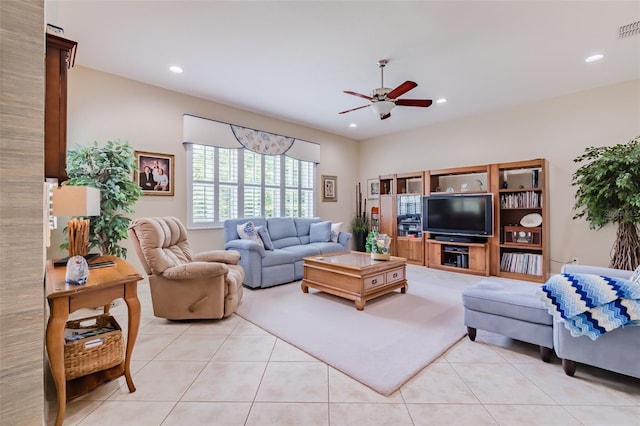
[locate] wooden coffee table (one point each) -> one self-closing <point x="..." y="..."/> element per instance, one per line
<point x="354" y="275"/>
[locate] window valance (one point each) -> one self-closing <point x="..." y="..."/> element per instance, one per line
<point x="205" y="131"/>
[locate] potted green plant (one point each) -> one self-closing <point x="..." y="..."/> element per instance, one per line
<point x="360" y="223"/>
<point x="609" y="192"/>
<point x="110" y="169"/>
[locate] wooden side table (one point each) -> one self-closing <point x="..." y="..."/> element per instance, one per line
<point x="103" y="286"/>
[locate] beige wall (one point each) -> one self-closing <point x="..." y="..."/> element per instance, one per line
<point x="22" y="317"/>
<point x="557" y="129"/>
<point x="103" y="106"/>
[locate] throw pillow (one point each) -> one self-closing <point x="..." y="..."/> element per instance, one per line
<point x="266" y="239"/>
<point x="247" y="231"/>
<point x="335" y="230"/>
<point x="320" y="232"/>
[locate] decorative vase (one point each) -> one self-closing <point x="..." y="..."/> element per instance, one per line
<point x="380" y="247"/>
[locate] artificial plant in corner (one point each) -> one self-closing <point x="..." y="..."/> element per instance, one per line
<point x="609" y="192"/>
<point x="360" y="222"/>
<point x="110" y="169"/>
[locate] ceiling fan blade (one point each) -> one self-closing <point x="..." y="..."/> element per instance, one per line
<point x="349" y="92"/>
<point x="414" y="102"/>
<point x="354" y="109"/>
<point x="402" y="89"/>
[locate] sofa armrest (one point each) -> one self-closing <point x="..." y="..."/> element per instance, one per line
<point x="195" y="270"/>
<point x="344" y="238"/>
<point x="573" y="268"/>
<point x="241" y="245"/>
<point x="230" y="257"/>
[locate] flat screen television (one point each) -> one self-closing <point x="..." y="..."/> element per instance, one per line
<point x="460" y="214"/>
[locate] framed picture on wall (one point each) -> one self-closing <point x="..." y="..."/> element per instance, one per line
<point x="155" y="173"/>
<point x="329" y="188"/>
<point x="373" y="188"/>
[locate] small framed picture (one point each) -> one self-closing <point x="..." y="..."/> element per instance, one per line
<point x="373" y="188"/>
<point x="155" y="173"/>
<point x="329" y="188"/>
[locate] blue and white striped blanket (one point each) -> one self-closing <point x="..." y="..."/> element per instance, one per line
<point x="591" y="305"/>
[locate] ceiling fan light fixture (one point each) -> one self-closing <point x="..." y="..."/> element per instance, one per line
<point x="382" y="107"/>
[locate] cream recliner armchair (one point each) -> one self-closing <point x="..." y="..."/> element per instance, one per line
<point x="184" y="285"/>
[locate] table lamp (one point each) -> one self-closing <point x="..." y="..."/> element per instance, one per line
<point x="77" y="201"/>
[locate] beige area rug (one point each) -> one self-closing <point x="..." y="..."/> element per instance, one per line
<point x="383" y="346"/>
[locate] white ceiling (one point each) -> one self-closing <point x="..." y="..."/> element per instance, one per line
<point x="291" y="60"/>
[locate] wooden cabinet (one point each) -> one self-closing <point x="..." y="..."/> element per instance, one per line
<point x="520" y="248"/>
<point x="400" y="214"/>
<point x="59" y="58"/>
<point x="411" y="248"/>
<point x="472" y="258"/>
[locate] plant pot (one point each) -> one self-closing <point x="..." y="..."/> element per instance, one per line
<point x="360" y="238"/>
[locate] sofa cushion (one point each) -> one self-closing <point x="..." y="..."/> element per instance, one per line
<point x="511" y="299"/>
<point x="286" y="242"/>
<point x="303" y="225"/>
<point x="320" y="232"/>
<point x="248" y="231"/>
<point x="277" y="257"/>
<point x="328" y="247"/>
<point x="264" y="236"/>
<point x="281" y="227"/>
<point x="301" y="251"/>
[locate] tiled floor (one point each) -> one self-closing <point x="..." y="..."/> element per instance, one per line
<point x="230" y="372"/>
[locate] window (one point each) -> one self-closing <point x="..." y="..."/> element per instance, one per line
<point x="226" y="183"/>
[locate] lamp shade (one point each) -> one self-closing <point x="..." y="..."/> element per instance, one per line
<point x="76" y="201"/>
<point x="382" y="107"/>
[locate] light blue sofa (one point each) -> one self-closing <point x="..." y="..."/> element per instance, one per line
<point x="291" y="241"/>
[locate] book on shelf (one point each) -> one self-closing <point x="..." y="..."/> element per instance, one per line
<point x="524" y="199"/>
<point x="521" y="263"/>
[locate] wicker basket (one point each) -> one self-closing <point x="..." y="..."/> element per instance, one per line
<point x="93" y="353"/>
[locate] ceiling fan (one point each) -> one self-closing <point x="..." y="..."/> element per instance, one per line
<point x="384" y="99"/>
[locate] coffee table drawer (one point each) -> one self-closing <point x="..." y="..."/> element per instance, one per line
<point x="395" y="275"/>
<point x="374" y="281"/>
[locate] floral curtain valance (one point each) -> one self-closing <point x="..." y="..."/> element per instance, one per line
<point x="262" y="142"/>
<point x="216" y="133"/>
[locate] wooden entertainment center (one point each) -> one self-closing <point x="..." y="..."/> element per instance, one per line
<point x="515" y="250"/>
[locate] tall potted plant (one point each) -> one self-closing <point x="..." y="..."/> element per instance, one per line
<point x="609" y="192"/>
<point x="360" y="223"/>
<point x="110" y="169"/>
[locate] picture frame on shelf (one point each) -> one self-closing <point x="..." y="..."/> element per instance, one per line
<point x="373" y="189"/>
<point x="155" y="173"/>
<point x="329" y="188"/>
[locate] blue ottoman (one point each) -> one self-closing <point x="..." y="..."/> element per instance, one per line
<point x="510" y="308"/>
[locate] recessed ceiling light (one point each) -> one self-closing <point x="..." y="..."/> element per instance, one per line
<point x="176" y="69"/>
<point x="353" y="125"/>
<point x="594" y="58"/>
<point x="441" y="100"/>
